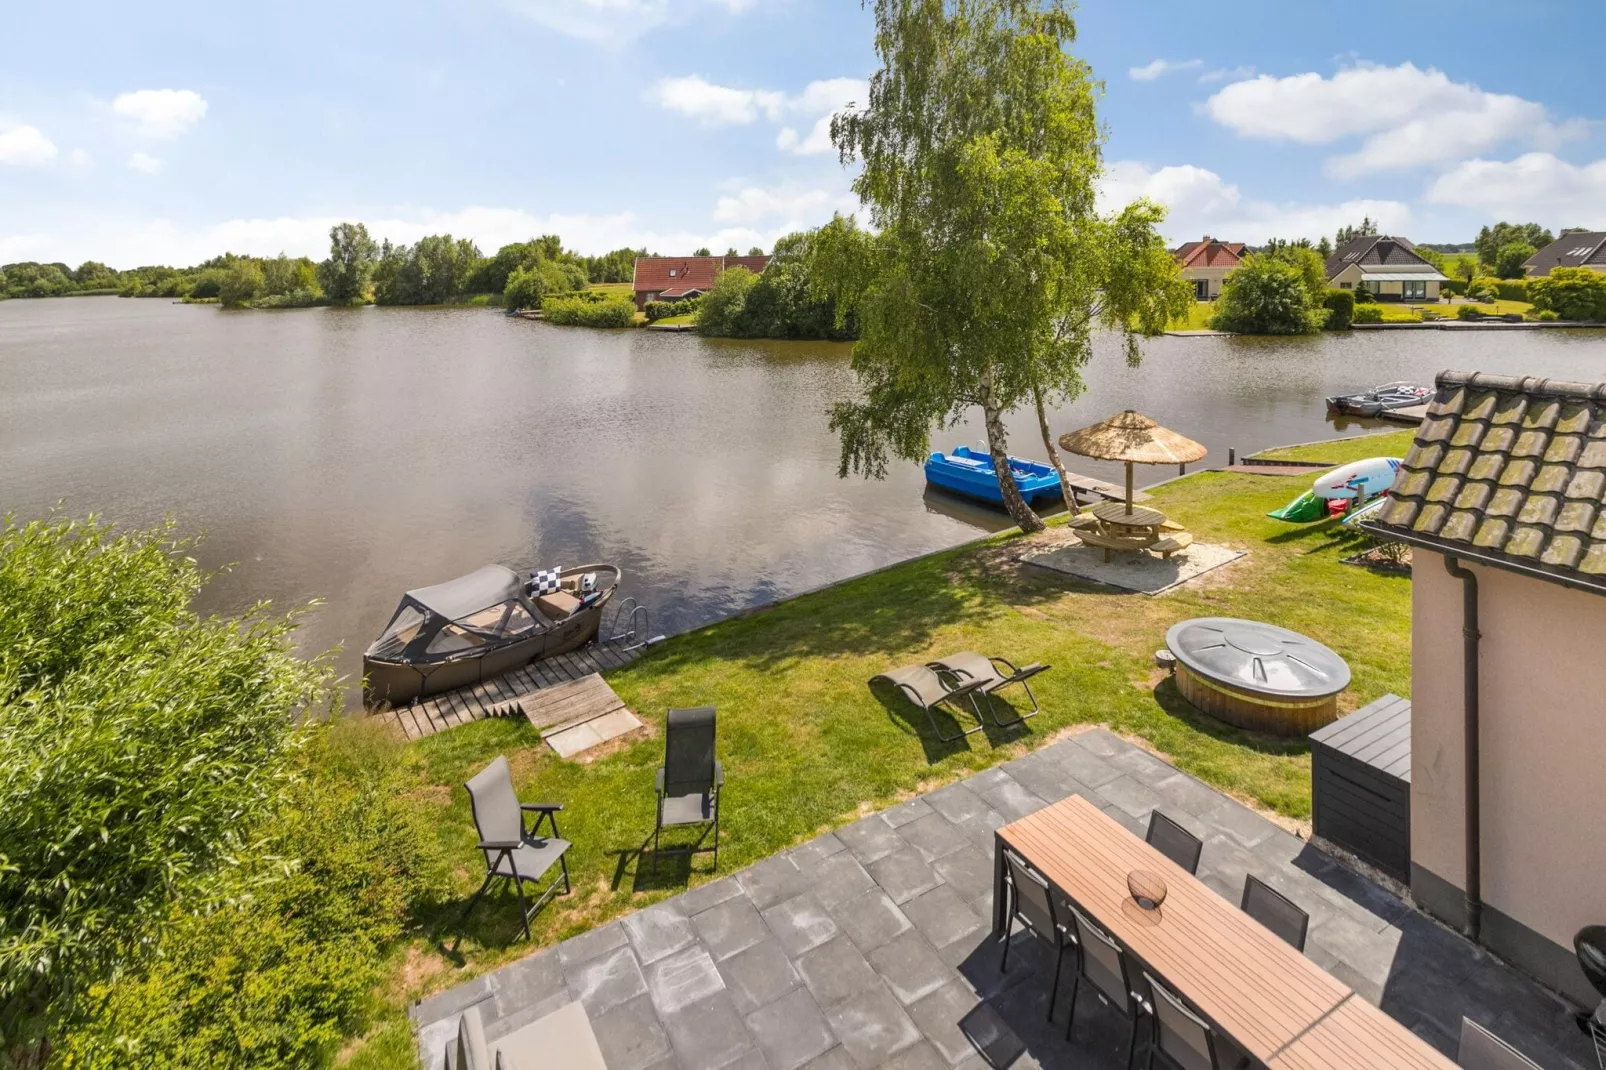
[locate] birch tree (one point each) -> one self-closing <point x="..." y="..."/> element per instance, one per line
<point x="987" y="268"/>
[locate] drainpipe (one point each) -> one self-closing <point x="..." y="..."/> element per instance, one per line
<point x="1469" y="630"/>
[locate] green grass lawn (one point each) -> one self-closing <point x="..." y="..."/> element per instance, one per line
<point x="807" y="746"/>
<point x="614" y="289"/>
<point x="689" y="317"/>
<point x="1404" y="311"/>
<point x="1197" y="319"/>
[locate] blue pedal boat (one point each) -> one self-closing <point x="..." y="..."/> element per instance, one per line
<point x="971" y="474"/>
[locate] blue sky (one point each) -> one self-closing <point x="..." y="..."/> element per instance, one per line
<point x="132" y="134"/>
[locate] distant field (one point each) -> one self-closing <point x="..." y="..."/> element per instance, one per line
<point x="619" y="288"/>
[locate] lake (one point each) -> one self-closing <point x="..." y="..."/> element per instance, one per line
<point x="350" y="454"/>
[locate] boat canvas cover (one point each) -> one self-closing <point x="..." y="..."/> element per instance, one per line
<point x="466" y="595"/>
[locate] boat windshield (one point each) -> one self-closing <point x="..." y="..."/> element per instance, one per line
<point x="403" y="628"/>
<point x="506" y="620"/>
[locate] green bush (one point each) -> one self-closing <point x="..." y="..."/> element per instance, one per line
<point x="1368" y="314"/>
<point x="1453" y="288"/>
<point x="1364" y="294"/>
<point x="1483" y="288"/>
<point x="584" y="310"/>
<point x="280" y="973"/>
<point x="1511" y="289"/>
<point x="657" y="310"/>
<point x="724" y="305"/>
<point x="1268" y="296"/>
<point x="1571" y="293"/>
<point x="1548" y="315"/>
<point x="1470" y="312"/>
<point x="1340" y="306"/>
<point x="143" y="747"/>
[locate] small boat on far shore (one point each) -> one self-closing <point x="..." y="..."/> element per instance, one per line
<point x="1379" y="400"/>
<point x="970" y="472"/>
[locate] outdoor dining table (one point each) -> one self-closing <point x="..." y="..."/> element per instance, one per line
<point x="1278" y="1006"/>
<point x="1123" y="515"/>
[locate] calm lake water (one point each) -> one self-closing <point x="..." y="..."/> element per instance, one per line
<point x="350" y="454"/>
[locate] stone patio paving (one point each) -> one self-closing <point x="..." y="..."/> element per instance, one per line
<point x="871" y="946"/>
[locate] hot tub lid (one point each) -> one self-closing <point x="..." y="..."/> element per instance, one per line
<point x="1257" y="658"/>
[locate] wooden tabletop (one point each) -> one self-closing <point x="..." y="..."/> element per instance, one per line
<point x="1280" y="1007"/>
<point x="1141" y="516"/>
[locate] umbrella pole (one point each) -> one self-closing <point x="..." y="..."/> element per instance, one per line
<point x="1129" y="488"/>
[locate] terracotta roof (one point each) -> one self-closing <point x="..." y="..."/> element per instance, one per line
<point x="689" y="272"/>
<point x="1378" y="251"/>
<point x="1210" y="253"/>
<point x="1570" y="250"/>
<point x="1512" y="470"/>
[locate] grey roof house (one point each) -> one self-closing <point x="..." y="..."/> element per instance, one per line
<point x="1585" y="249"/>
<point x="1390" y="267"/>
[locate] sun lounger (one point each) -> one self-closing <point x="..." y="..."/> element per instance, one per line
<point x="926" y="689"/>
<point x="990" y="675"/>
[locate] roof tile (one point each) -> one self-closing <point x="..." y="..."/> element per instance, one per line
<point x="1516" y="466"/>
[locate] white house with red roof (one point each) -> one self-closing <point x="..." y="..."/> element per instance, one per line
<point x="672" y="278"/>
<point x="1207" y="264"/>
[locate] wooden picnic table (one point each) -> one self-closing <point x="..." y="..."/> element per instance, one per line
<point x="1273" y="1002"/>
<point x="1141" y="516"/>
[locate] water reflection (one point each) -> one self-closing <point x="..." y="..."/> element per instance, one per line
<point x="354" y="453"/>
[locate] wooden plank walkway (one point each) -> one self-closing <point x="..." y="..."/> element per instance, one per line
<point x="500" y="696"/>
<point x="1089" y="485"/>
<point x="1411" y="414"/>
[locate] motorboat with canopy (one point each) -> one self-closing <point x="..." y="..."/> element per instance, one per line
<point x="481" y="625"/>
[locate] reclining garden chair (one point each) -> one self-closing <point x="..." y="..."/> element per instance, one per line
<point x="512" y="851"/>
<point x="987" y="676"/>
<point x="689" y="781"/>
<point x="921" y="685"/>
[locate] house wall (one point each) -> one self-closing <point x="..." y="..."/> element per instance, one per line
<point x="1214" y="275"/>
<point x="1542" y="684"/>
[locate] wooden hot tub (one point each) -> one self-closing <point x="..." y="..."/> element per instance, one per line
<point x="1257" y="676"/>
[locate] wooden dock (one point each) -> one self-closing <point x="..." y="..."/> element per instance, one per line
<point x="501" y="696"/>
<point x="1088" y="485"/>
<point x="1411" y="414"/>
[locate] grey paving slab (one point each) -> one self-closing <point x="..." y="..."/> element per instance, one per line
<point x="598" y="941"/>
<point x="1040" y="774"/>
<point x="835" y="972"/>
<point x="606" y="982"/>
<point x="870" y="838"/>
<point x="791" y="1032"/>
<point x="835" y="1059"/>
<point x="532" y="980"/>
<point x="988" y="779"/>
<point x="871" y="919"/>
<point x="772" y="880"/>
<point x="453" y="1001"/>
<point x="1187" y="794"/>
<point x="761" y="974"/>
<point x="969" y="871"/>
<point x="800" y="924"/>
<point x="918" y="1056"/>
<point x="807" y="855"/>
<point x="709" y="1034"/>
<point x="872" y="1026"/>
<point x="1240" y="822"/>
<point x="942" y="915"/>
<point x="1133" y="796"/>
<point x="957" y="1023"/>
<point x="731" y="927"/>
<point x="911" y="967"/>
<point x="903" y="874"/>
<point x="681" y="979"/>
<point x="707" y="896"/>
<point x="1012" y="799"/>
<point x="933" y="836"/>
<point x="1085" y="766"/>
<point x="658" y="931"/>
<point x="979" y="830"/>
<point x="631" y="1037"/>
<point x="957" y="802"/>
<point x="1143" y="766"/>
<point x="907" y="812"/>
<point x="1100" y="741"/>
<point x="839" y="878"/>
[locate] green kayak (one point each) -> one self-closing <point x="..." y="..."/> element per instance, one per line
<point x="1302" y="510"/>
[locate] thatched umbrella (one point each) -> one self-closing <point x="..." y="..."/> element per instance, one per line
<point x="1134" y="438"/>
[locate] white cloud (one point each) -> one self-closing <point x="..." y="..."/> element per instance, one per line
<point x="1161" y="67"/>
<point x="1409" y="117"/>
<point x="807" y="207"/>
<point x="714" y="105"/>
<point x="25" y="146"/>
<point x="1226" y="74"/>
<point x="614" y="21"/>
<point x="79" y="157"/>
<point x="1200" y="202"/>
<point x="145" y="163"/>
<point x="161" y="112"/>
<point x="1538" y="185"/>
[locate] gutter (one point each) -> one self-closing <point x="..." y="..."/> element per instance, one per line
<point x="1473" y="902"/>
<point x="1438" y="546"/>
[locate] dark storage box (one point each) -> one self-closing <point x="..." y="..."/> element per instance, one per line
<point x="1361" y="784"/>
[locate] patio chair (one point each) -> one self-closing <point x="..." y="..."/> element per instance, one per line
<point x="924" y="688"/>
<point x="1031" y="903"/>
<point x="985" y="672"/>
<point x="1275" y="911"/>
<point x="512" y="852"/>
<point x="1181" y="1038"/>
<point x="562" y="1038"/>
<point x="689" y="781"/>
<point x="1174" y="841"/>
<point x="1104" y="965"/>
<point x="1482" y="1050"/>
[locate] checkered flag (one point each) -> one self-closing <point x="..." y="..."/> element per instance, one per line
<point x="545" y="581"/>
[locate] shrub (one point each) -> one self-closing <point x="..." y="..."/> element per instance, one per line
<point x="283" y="970"/>
<point x="1548" y="315"/>
<point x="1470" y="312"/>
<point x="1268" y="296"/>
<point x="724" y="305"/>
<point x="1483" y="288"/>
<point x="293" y="299"/>
<point x="1364" y="294"/>
<point x="1340" y="306"/>
<point x="143" y="748"/>
<point x="1454" y="287"/>
<point x="1571" y="293"/>
<point x="657" y="310"/>
<point x="1368" y="314"/>
<point x="1511" y="289"/>
<point x="583" y="310"/>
